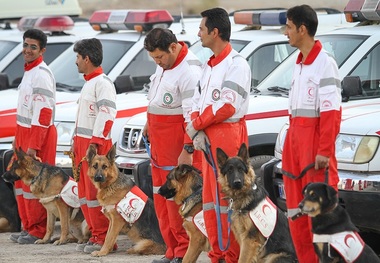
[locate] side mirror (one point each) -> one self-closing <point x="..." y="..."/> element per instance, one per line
<point x="124" y="83"/>
<point x="351" y="86"/>
<point x="4" y="81"/>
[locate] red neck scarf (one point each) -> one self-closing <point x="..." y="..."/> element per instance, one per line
<point x="312" y="55"/>
<point x="95" y="73"/>
<point x="213" y="61"/>
<point x="182" y="54"/>
<point x="34" y="63"/>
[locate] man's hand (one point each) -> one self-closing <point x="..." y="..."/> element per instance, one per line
<point x="191" y="131"/>
<point x="321" y="162"/>
<point x="200" y="141"/>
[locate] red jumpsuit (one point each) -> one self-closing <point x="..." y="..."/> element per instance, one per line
<point x="35" y="129"/>
<point x="168" y="111"/>
<point x="219" y="107"/>
<point x="95" y="117"/>
<point x="315" y="115"/>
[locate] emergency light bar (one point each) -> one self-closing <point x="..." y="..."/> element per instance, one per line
<point x="140" y="20"/>
<point x="48" y="23"/>
<point x="362" y="10"/>
<point x="260" y="18"/>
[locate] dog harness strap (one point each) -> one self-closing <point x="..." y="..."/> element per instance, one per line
<point x="165" y="168"/>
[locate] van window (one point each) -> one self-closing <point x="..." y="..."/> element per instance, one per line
<point x="6" y="47"/>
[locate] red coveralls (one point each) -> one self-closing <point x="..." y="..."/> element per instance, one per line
<point x="219" y="107"/>
<point x="168" y="112"/>
<point x="35" y="130"/>
<point x="95" y="117"/>
<point x="315" y="115"/>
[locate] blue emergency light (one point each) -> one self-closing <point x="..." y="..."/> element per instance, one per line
<point x="260" y="18"/>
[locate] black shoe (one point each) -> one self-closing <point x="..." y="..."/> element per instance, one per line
<point x="176" y="260"/>
<point x="162" y="260"/>
<point x="15" y="236"/>
<point x="28" y="239"/>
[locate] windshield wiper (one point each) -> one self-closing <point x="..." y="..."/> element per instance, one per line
<point x="279" y="89"/>
<point x="64" y="87"/>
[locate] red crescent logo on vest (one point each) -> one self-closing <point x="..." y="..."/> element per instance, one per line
<point x="131" y="202"/>
<point x="346" y="238"/>
<point x="229" y="95"/>
<point x="264" y="208"/>
<point x="38" y="98"/>
<point x="91" y="107"/>
<point x="74" y="189"/>
<point x="326" y="104"/>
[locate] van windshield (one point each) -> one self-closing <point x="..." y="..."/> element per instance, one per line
<point x="6" y="47"/>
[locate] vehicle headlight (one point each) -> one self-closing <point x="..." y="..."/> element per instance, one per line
<point x="65" y="132"/>
<point x="279" y="147"/>
<point x="355" y="149"/>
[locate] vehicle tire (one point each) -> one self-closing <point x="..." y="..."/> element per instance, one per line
<point x="257" y="162"/>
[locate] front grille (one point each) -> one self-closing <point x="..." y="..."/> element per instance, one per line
<point x="132" y="140"/>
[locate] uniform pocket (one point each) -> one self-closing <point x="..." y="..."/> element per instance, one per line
<point x="311" y="92"/>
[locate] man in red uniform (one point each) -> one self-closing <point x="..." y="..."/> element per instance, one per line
<point x="219" y="106"/>
<point x="95" y="117"/>
<point x="315" y="115"/>
<point x="171" y="89"/>
<point x="35" y="131"/>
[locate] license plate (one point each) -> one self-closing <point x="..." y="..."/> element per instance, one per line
<point x="281" y="191"/>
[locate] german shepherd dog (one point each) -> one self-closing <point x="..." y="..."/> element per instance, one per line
<point x="113" y="186"/>
<point x="268" y="239"/>
<point x="184" y="184"/>
<point x="46" y="183"/>
<point x="335" y="236"/>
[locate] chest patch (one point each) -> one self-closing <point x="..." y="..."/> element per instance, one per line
<point x="264" y="216"/>
<point x="69" y="194"/>
<point x="132" y="205"/>
<point x="348" y="244"/>
<point x="168" y="98"/>
<point x="215" y="95"/>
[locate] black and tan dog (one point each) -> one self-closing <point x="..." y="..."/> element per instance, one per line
<point x="336" y="238"/>
<point x="184" y="184"/>
<point x="46" y="183"/>
<point x="114" y="188"/>
<point x="9" y="217"/>
<point x="260" y="228"/>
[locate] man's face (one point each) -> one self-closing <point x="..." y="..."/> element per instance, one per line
<point x="81" y="63"/>
<point x="31" y="50"/>
<point x="292" y="32"/>
<point x="203" y="34"/>
<point x="164" y="59"/>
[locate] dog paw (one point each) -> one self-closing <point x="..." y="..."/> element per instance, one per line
<point x="59" y="242"/>
<point x="41" y="241"/>
<point x="98" y="254"/>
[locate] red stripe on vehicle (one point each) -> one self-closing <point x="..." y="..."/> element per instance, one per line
<point x="267" y="115"/>
<point x="130" y="112"/>
<point x="8" y="126"/>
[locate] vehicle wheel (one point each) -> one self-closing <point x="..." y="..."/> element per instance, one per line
<point x="257" y="162"/>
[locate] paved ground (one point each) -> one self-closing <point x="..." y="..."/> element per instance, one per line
<point x="16" y="253"/>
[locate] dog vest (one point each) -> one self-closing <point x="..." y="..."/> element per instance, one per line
<point x="264" y="216"/>
<point x="348" y="244"/>
<point x="69" y="194"/>
<point x="132" y="205"/>
<point x="199" y="222"/>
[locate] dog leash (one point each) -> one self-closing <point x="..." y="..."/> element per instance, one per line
<point x="304" y="171"/>
<point x="76" y="170"/>
<point x="210" y="160"/>
<point x="147" y="147"/>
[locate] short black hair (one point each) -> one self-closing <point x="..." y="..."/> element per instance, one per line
<point x="304" y="15"/>
<point x="36" y="34"/>
<point x="91" y="47"/>
<point x="218" y="18"/>
<point x="160" y="38"/>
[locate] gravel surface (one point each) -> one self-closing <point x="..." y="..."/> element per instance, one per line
<point x="49" y="253"/>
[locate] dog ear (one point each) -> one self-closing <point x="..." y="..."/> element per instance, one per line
<point x="243" y="152"/>
<point x="331" y="192"/>
<point x="20" y="153"/>
<point x="112" y="153"/>
<point x="91" y="152"/>
<point x="221" y="156"/>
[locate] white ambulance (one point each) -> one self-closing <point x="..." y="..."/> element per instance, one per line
<point x="357" y="51"/>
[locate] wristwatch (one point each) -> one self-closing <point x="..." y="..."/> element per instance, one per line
<point x="189" y="148"/>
